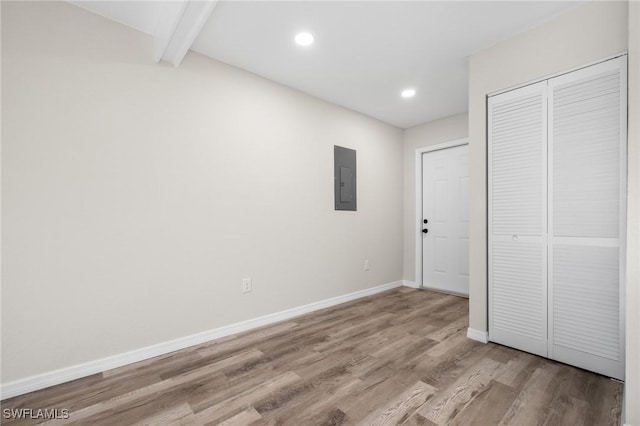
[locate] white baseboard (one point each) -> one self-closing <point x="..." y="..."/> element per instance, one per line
<point x="480" y="336"/>
<point x="411" y="284"/>
<point x="44" y="380"/>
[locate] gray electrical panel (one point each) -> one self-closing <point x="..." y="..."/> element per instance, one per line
<point x="344" y="178"/>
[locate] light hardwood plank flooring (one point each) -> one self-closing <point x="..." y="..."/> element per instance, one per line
<point x="399" y="357"/>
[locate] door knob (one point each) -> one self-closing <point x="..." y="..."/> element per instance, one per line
<point x="424" y="231"/>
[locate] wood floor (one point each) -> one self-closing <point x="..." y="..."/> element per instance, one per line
<point x="400" y="357"/>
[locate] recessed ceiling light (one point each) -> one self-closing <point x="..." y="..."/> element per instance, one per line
<point x="304" y="39"/>
<point x="408" y="93"/>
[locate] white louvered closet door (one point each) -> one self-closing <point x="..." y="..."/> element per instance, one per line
<point x="587" y="163"/>
<point x="517" y="218"/>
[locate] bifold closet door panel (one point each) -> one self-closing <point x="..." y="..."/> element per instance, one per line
<point x="517" y="218"/>
<point x="518" y="315"/>
<point x="585" y="321"/>
<point x="587" y="158"/>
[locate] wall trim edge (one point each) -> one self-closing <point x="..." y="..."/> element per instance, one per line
<point x="477" y="335"/>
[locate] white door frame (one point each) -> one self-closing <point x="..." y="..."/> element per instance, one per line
<point x="418" y="213"/>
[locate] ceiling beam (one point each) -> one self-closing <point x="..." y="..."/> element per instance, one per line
<point x="179" y="27"/>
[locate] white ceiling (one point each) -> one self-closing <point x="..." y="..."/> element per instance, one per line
<point x="365" y="52"/>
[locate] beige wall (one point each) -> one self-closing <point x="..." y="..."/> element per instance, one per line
<point x="137" y="196"/>
<point x="632" y="382"/>
<point x="438" y="131"/>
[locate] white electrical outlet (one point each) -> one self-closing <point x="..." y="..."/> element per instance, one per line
<point x="246" y="285"/>
<point x="366" y="265"/>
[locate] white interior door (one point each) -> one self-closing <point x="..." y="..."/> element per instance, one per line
<point x="557" y="192"/>
<point x="587" y="159"/>
<point x="517" y="160"/>
<point x="445" y="247"/>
